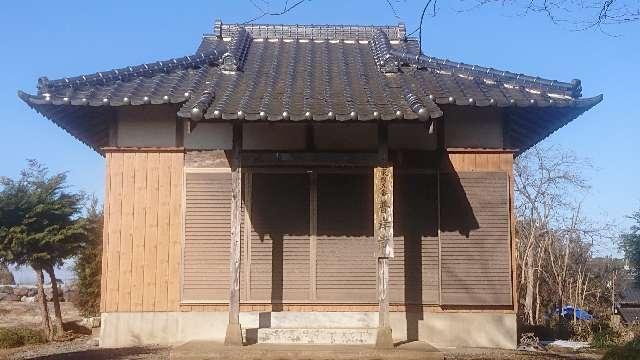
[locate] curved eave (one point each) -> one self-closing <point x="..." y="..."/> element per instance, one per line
<point x="87" y="123"/>
<point x="527" y="127"/>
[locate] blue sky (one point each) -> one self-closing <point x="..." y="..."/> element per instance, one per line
<point x="71" y="37"/>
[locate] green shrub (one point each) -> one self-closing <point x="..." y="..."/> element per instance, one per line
<point x="15" y="337"/>
<point x="629" y="351"/>
<point x="604" y="339"/>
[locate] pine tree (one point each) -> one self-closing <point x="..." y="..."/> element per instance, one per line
<point x="40" y="227"/>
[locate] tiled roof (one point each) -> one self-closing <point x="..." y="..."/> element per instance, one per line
<point x="630" y="314"/>
<point x="630" y="295"/>
<point x="318" y="73"/>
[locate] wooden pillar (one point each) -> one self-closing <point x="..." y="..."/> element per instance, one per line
<point x="383" y="234"/>
<point x="234" y="332"/>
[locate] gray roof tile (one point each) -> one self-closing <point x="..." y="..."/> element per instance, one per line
<point x="309" y="72"/>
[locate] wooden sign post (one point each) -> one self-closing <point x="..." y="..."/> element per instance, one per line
<point x="383" y="234"/>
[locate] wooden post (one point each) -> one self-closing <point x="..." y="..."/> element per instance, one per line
<point x="383" y="234"/>
<point x="234" y="332"/>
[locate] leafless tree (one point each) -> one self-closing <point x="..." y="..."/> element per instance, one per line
<point x="545" y="178"/>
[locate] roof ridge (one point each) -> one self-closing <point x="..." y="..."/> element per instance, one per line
<point x="574" y="87"/>
<point x="194" y="61"/>
<point x="312" y="31"/>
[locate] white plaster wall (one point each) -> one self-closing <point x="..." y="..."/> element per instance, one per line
<point x="464" y="129"/>
<point x="209" y="136"/>
<point x="147" y="127"/>
<point x="273" y="137"/>
<point x="411" y="136"/>
<point x="336" y="137"/>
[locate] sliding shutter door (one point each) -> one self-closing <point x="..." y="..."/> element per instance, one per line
<point x="346" y="266"/>
<point x="414" y="271"/>
<point x="475" y="241"/>
<point x="280" y="238"/>
<point x="207" y="236"/>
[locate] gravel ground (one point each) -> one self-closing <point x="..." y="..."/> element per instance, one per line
<point x="83" y="348"/>
<point x="491" y="354"/>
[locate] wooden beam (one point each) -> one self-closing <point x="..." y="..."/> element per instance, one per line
<point x="383" y="144"/>
<point x="234" y="332"/>
<point x="309" y="159"/>
<point x="311" y="140"/>
<point x="180" y="132"/>
<point x="383" y="233"/>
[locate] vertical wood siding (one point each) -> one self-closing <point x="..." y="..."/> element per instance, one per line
<point x="346" y="266"/>
<point x="142" y="231"/>
<point x="414" y="271"/>
<point x="475" y="239"/>
<point x="144" y="270"/>
<point x="280" y="237"/>
<point x="207" y="231"/>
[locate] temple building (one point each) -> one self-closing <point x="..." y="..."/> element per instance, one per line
<point x="309" y="184"/>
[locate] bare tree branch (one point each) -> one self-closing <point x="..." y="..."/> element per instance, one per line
<point x="266" y="12"/>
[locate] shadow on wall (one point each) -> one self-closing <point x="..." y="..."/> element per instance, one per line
<point x="456" y="213"/>
<point x="280" y="217"/>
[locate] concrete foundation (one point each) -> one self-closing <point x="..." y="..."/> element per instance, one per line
<point x="492" y="330"/>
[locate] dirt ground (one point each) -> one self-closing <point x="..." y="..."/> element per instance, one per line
<point x="491" y="354"/>
<point x="85" y="346"/>
<point x="15" y="313"/>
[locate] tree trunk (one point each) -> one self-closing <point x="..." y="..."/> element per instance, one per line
<point x="536" y="318"/>
<point x="44" y="311"/>
<point x="528" y="300"/>
<point x="56" y="301"/>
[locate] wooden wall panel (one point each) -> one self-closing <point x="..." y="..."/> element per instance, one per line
<point x="115" y="221"/>
<point x="143" y="221"/>
<point x="207" y="236"/>
<point x="126" y="232"/>
<point x="139" y="230"/>
<point x="175" y="233"/>
<point x="151" y="235"/>
<point x="478" y="161"/>
<point x="475" y="239"/>
<point x="162" y="254"/>
<point x="104" y="275"/>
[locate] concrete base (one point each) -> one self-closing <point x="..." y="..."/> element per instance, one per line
<point x="489" y="330"/>
<point x="330" y="336"/>
<point x="198" y="350"/>
<point x="234" y="335"/>
<point x="494" y="330"/>
<point x="384" y="340"/>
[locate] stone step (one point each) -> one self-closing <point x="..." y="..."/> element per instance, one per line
<point x="317" y="336"/>
<point x="317" y="320"/>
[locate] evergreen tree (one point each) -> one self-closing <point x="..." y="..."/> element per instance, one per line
<point x="40" y="228"/>
<point x="88" y="264"/>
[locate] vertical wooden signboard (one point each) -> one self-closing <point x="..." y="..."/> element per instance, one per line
<point x="383" y="234"/>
